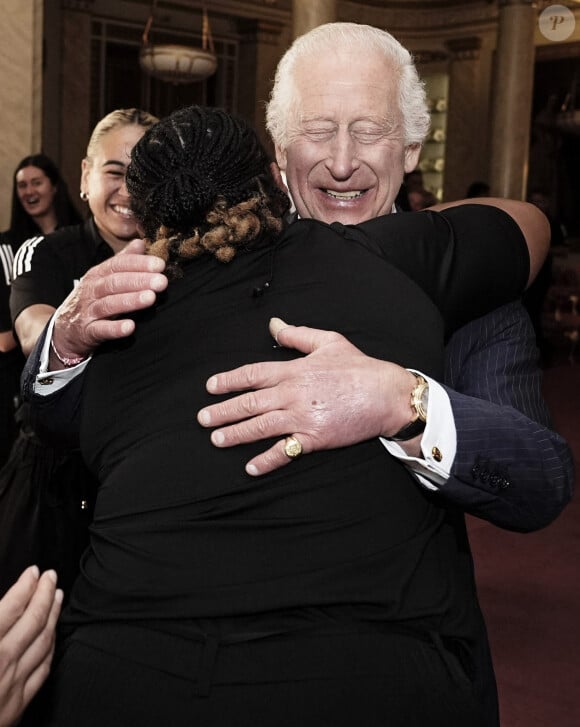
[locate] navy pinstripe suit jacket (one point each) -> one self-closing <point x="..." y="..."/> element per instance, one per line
<point x="511" y="468"/>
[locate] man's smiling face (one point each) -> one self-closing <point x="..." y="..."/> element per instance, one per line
<point x="346" y="153"/>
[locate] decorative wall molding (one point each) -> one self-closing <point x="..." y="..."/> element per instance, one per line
<point x="429" y="56"/>
<point x="420" y="18"/>
<point x="464" y="49"/>
<point x="278" y="10"/>
<point x="558" y="51"/>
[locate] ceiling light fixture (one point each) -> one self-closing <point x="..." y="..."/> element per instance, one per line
<point x="178" y="63"/>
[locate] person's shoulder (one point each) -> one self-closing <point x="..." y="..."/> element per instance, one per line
<point x="305" y="228"/>
<point x="66" y="235"/>
<point x="8" y="240"/>
<point x="471" y="211"/>
<point x="62" y="238"/>
<point x="28" y="248"/>
<point x="60" y="245"/>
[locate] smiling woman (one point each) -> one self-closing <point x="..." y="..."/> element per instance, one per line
<point x="40" y="199"/>
<point x="103" y="182"/>
<point x="36" y="194"/>
<point x="40" y="204"/>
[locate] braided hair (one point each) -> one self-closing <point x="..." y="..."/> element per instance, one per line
<point x="200" y="182"/>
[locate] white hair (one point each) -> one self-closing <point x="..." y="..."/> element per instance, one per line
<point x="365" y="38"/>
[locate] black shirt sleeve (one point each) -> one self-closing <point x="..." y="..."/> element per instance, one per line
<point x="38" y="276"/>
<point x="470" y="259"/>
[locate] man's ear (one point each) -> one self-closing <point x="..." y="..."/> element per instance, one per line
<point x="412" y="153"/>
<point x="277" y="174"/>
<point x="281" y="158"/>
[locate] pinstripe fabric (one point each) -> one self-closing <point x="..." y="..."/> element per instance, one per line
<point x="510" y="468"/>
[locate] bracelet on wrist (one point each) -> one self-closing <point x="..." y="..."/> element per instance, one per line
<point x="67" y="361"/>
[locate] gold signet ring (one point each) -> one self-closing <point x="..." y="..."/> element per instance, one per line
<point x="292" y="447"/>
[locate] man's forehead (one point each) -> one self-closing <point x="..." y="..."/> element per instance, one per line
<point x="347" y="81"/>
<point x="347" y="103"/>
<point x="346" y="64"/>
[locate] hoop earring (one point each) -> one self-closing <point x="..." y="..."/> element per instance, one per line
<point x="84" y="196"/>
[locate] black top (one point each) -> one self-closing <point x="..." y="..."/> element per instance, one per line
<point x="181" y="532"/>
<point x="46" y="268"/>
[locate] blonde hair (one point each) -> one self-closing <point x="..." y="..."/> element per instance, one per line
<point x="115" y="120"/>
<point x="365" y="38"/>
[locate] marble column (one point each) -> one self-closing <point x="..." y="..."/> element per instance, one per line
<point x="466" y="154"/>
<point x="512" y="98"/>
<point x="20" y="91"/>
<point x="307" y="14"/>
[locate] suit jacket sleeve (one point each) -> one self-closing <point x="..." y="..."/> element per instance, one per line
<point x="56" y="417"/>
<point x="510" y="468"/>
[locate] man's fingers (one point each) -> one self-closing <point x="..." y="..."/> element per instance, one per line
<point x="127" y="282"/>
<point x="271" y="424"/>
<point x="108" y="330"/>
<point x="250" y="376"/>
<point x="117" y="304"/>
<point x="304" y="339"/>
<point x="136" y="246"/>
<point x="273" y="458"/>
<point x="239" y="408"/>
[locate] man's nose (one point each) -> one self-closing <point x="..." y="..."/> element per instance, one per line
<point x="342" y="160"/>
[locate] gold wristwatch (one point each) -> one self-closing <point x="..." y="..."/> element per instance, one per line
<point x="419" y="403"/>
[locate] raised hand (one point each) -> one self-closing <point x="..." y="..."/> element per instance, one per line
<point x="93" y="312"/>
<point x="332" y="397"/>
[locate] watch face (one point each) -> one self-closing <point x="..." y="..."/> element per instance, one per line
<point x="420" y="398"/>
<point x="425" y="398"/>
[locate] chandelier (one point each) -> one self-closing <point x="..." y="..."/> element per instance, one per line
<point x="178" y="63"/>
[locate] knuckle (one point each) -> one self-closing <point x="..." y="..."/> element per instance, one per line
<point x="250" y="374"/>
<point x="263" y="427"/>
<point x="249" y="404"/>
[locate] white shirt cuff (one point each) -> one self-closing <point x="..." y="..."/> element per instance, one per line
<point x="48" y="382"/>
<point x="438" y="443"/>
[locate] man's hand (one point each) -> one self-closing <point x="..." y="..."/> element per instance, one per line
<point x="333" y="397"/>
<point x="28" y="615"/>
<point x="93" y="311"/>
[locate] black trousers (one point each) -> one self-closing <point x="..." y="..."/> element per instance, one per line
<point x="122" y="676"/>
